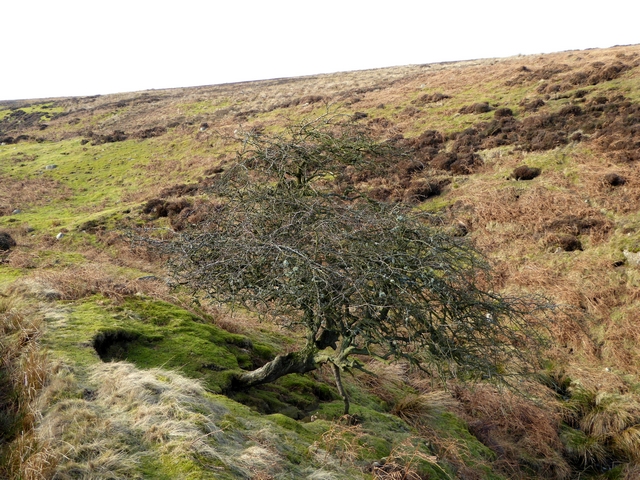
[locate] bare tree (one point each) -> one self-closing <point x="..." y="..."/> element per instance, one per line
<point x="358" y="277"/>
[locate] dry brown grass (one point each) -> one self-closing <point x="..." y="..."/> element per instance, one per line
<point x="226" y="106"/>
<point x="524" y="215"/>
<point x="521" y="432"/>
<point x="403" y="461"/>
<point x="21" y="354"/>
<point x="596" y="319"/>
<point x="522" y="226"/>
<point x="620" y="199"/>
<point x="342" y="440"/>
<point x="383" y="379"/>
<point x="77" y="282"/>
<point x="418" y="409"/>
<point x="26" y="371"/>
<point x="25" y="193"/>
<point x="125" y="409"/>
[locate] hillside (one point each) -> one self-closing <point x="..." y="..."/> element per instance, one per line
<point x="109" y="371"/>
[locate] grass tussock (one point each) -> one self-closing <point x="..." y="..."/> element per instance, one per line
<point x="602" y="427"/>
<point x="25" y="371"/>
<point x="125" y="415"/>
<point x="384" y="380"/>
<point x="404" y="463"/>
<point x="524" y="435"/>
<point x="343" y="440"/>
<point x="418" y="408"/>
<point x="129" y="423"/>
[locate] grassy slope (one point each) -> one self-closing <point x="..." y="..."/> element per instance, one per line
<point x="148" y="418"/>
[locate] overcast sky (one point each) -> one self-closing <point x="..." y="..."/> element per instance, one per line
<point x="70" y="47"/>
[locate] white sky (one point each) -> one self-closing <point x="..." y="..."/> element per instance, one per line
<point x="71" y="47"/>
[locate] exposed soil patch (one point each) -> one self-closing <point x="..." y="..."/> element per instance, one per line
<point x="143" y="98"/>
<point x="567" y="243"/>
<point x="100" y="139"/>
<point x="420" y="190"/>
<point x="614" y="180"/>
<point x="9" y="140"/>
<point x="149" y="132"/>
<point x="598" y="73"/>
<point x="180" y="211"/>
<point x="113" y="345"/>
<point x="527" y="75"/>
<point x="430" y="98"/>
<point x="532" y="105"/>
<point x="304" y="100"/>
<point x="524" y="172"/>
<point x="18" y="121"/>
<point x="6" y="241"/>
<point x="180" y="190"/>
<point x="560" y="77"/>
<point x="503" y="112"/>
<point x="214" y="170"/>
<point x="482" y="107"/>
<point x="193" y="215"/>
<point x="611" y="124"/>
<point x="410" y="167"/>
<point x="574" y="225"/>
<point x="426" y="145"/>
<point x="93" y="226"/>
<point x="157" y="207"/>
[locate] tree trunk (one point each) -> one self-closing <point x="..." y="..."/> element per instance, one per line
<point x="341" y="390"/>
<point x="295" y="362"/>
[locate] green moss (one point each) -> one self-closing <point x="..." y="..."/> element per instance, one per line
<point x="264" y="351"/>
<point x="149" y="334"/>
<point x="262" y="400"/>
<point x="306" y="388"/>
<point x="436" y="204"/>
<point x="8" y="275"/>
<point x="449" y="425"/>
<point x="188" y="468"/>
<point x="198" y="349"/>
<point x="153" y="468"/>
<point x="288" y="423"/>
<point x="155" y="312"/>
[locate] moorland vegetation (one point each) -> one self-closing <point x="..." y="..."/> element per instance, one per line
<point x="112" y="368"/>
